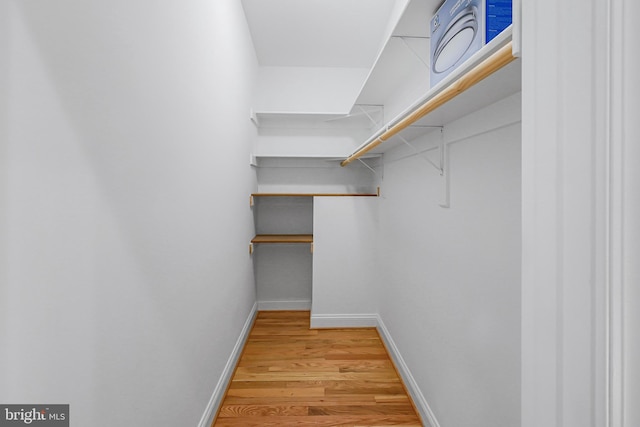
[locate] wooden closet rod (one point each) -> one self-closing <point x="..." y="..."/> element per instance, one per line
<point x="493" y="63"/>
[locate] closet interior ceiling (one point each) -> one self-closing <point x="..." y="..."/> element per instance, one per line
<point x="329" y="33"/>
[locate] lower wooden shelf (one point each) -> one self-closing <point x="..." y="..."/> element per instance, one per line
<point x="281" y="238"/>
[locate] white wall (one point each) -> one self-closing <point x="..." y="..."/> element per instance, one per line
<point x="308" y="89"/>
<point x="566" y="182"/>
<point x="283" y="276"/>
<point x="125" y="275"/>
<point x="309" y="142"/>
<point x="345" y="265"/>
<point x="624" y="217"/>
<point x="4" y="87"/>
<point x="320" y="176"/>
<point x="630" y="91"/>
<point x="450" y="278"/>
<point x="283" y="271"/>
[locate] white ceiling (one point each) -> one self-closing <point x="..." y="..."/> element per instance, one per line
<point x="318" y="33"/>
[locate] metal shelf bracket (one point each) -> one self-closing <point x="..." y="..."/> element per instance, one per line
<point x="403" y="39"/>
<point x="366" y="113"/>
<point x="440" y="165"/>
<point x="375" y="172"/>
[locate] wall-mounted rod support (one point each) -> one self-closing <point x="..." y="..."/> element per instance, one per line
<point x="366" y="113"/>
<point x="442" y="152"/>
<point x="423" y="156"/>
<point x="416" y="54"/>
<point x="493" y="63"/>
<point x="369" y="167"/>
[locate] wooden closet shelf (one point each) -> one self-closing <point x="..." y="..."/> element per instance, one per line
<point x="314" y="195"/>
<point x="490" y="59"/>
<point x="283" y="238"/>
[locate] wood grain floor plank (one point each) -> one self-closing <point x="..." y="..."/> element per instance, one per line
<point x="291" y="375"/>
<point x="321" y="421"/>
<point x="262" y="410"/>
<point x="260" y="393"/>
<point x="406" y="409"/>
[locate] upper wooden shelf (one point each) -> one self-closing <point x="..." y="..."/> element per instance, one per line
<point x="281" y="238"/>
<point x="254" y="195"/>
<point x="314" y="195"/>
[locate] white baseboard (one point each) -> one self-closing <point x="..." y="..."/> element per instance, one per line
<point x="227" y="373"/>
<point x="343" y="320"/>
<point x="284" y="305"/>
<point x="412" y="386"/>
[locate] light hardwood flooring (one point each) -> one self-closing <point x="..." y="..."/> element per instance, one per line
<point x="291" y="375"/>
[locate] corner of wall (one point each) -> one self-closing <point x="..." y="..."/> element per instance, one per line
<point x="219" y="391"/>
<point x="319" y="321"/>
<point x="419" y="401"/>
<point x="287" y="305"/>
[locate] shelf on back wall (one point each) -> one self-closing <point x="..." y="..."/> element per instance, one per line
<point x="295" y="160"/>
<point x="316" y="175"/>
<point x="315" y="194"/>
<point x="359" y="117"/>
<point x="309" y="161"/>
<point x="285" y="238"/>
<point x="267" y="195"/>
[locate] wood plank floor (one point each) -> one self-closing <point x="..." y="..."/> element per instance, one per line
<point x="291" y="375"/>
